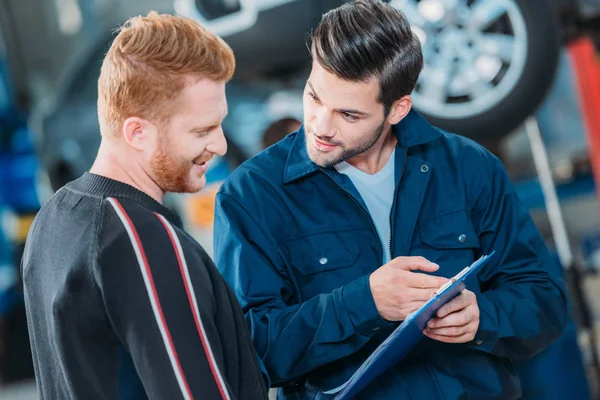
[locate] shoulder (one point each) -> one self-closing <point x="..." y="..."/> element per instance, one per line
<point x="465" y="168"/>
<point x="460" y="147"/>
<point x="126" y="221"/>
<point x="470" y="159"/>
<point x="127" y="213"/>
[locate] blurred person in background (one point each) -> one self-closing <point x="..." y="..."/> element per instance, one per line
<point x="19" y="199"/>
<point x="278" y="130"/>
<point x="121" y="302"/>
<point x="334" y="235"/>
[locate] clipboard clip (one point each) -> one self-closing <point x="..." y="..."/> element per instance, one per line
<point x="452" y="281"/>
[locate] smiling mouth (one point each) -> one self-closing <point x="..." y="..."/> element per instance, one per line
<point x="203" y="161"/>
<point x="324" y="146"/>
<point x="325" y="143"/>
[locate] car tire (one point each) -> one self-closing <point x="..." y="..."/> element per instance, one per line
<point x="543" y="35"/>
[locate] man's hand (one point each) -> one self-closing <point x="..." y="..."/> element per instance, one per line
<point x="398" y="291"/>
<point x="457" y="321"/>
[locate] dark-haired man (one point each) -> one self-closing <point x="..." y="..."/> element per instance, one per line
<point x="339" y="231"/>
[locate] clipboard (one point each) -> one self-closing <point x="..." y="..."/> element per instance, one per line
<point x="405" y="336"/>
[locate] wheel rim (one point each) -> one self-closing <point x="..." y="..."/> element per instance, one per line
<point x="474" y="52"/>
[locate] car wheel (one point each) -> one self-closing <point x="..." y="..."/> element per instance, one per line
<point x="488" y="63"/>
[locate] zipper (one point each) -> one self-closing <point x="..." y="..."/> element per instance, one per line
<point x="394" y="200"/>
<point x="365" y="211"/>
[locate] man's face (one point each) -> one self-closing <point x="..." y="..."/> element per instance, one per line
<point x="187" y="142"/>
<point x="341" y="119"/>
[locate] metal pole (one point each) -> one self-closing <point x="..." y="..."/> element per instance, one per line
<point x="542" y="166"/>
<point x="559" y="233"/>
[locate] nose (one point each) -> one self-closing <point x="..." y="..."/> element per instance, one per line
<point x="322" y="123"/>
<point x="218" y="144"/>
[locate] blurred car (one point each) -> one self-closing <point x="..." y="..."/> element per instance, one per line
<point x="489" y="63"/>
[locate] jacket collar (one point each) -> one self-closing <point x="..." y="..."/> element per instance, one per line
<point x="413" y="130"/>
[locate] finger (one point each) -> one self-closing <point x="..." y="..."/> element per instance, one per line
<point x="457" y="319"/>
<point x="446" y="339"/>
<point x="412" y="307"/>
<point x="453" y="331"/>
<point x="423" y="281"/>
<point x="418" y="295"/>
<point x="457" y="304"/>
<point x="415" y="264"/>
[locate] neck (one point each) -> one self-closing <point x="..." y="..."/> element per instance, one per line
<point x="374" y="159"/>
<point x="115" y="162"/>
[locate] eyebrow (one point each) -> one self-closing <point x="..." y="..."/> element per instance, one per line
<point x="344" y="111"/>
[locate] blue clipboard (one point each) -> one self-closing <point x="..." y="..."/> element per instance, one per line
<point x="405" y="336"/>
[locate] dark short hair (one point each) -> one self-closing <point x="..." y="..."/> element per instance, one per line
<point x="278" y="130"/>
<point x="370" y="38"/>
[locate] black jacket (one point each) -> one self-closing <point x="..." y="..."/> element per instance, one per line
<point x="123" y="304"/>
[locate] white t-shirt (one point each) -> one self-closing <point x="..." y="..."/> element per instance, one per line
<point x="377" y="191"/>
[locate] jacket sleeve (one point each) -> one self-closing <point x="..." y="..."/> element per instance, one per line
<point x="291" y="338"/>
<point x="160" y="309"/>
<point x="523" y="306"/>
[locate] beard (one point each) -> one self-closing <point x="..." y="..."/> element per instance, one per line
<point x="342" y="153"/>
<point x="172" y="174"/>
